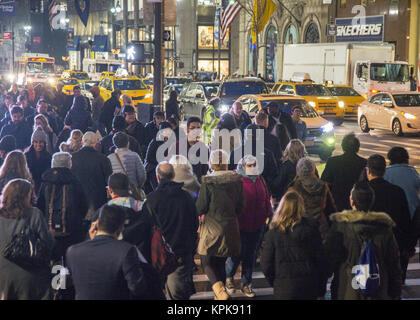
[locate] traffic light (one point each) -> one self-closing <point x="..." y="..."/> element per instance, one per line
<point x="135" y="52"/>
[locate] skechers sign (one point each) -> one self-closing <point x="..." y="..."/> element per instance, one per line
<point x="365" y="29"/>
<point x="7" y="8"/>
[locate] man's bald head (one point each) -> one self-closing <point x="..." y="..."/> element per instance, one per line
<point x="165" y="171"/>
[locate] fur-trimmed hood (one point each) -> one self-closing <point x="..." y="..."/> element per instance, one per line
<point x="221" y="177"/>
<point x="361" y="216"/>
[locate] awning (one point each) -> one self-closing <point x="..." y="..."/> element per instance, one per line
<point x="76" y="44"/>
<point x="100" y="44"/>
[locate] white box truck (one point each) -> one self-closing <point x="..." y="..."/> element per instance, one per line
<point x="367" y="67"/>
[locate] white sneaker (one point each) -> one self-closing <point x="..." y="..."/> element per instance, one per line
<point x="230" y="286"/>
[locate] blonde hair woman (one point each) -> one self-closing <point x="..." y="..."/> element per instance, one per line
<point x="14" y="167"/>
<point x="16" y="211"/>
<point x="221" y="200"/>
<point x="74" y="143"/>
<point x="293" y="259"/>
<point x="42" y="121"/>
<point x="127" y="101"/>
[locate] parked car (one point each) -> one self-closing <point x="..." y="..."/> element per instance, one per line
<point x="195" y="97"/>
<point x="395" y="111"/>
<point x="320" y="137"/>
<point x="176" y="80"/>
<point x="167" y="90"/>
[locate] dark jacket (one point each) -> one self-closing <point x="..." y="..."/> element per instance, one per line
<point x="78" y="117"/>
<point x="293" y="262"/>
<point x="341" y="173"/>
<point x="172" y="108"/>
<point x="92" y="169"/>
<point x="151" y="131"/>
<point x="138" y="132"/>
<point x="106" y="145"/>
<point x="285" y="119"/>
<point x="177" y="216"/>
<point x="17" y="283"/>
<point x="343" y="247"/>
<point x="243" y="121"/>
<point x="108" y="111"/>
<point x="150" y="165"/>
<point x="391" y="199"/>
<point x="286" y="174"/>
<point x="106" y="269"/>
<point x="272" y="143"/>
<point x="37" y="166"/>
<point x="22" y="132"/>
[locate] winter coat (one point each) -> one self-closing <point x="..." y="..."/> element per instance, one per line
<point x="78" y="117"/>
<point x="37" y="166"/>
<point x="272" y="143"/>
<point x="172" y="108"/>
<point x="408" y="179"/>
<point x="286" y="119"/>
<point x="293" y="262"/>
<point x="92" y="169"/>
<point x="243" y="121"/>
<point x="151" y="131"/>
<point x="391" y="199"/>
<point x="301" y="130"/>
<point x="17" y="283"/>
<point x="319" y="203"/>
<point x="150" y="165"/>
<point x="22" y="132"/>
<point x="175" y="211"/>
<point x="106" y="145"/>
<point x="286" y="175"/>
<point x="341" y="173"/>
<point x="108" y="112"/>
<point x="97" y="105"/>
<point x="184" y="175"/>
<point x="132" y="165"/>
<point x="221" y="200"/>
<point x="257" y="205"/>
<point x="343" y="247"/>
<point x="137" y="131"/>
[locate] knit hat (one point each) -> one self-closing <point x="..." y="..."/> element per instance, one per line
<point x="128" y="109"/>
<point x="39" y="135"/>
<point x="304" y="167"/>
<point x="61" y="160"/>
<point x="8" y="143"/>
<point x="119" y="183"/>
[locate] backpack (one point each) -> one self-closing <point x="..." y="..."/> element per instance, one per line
<point x="367" y="277"/>
<point x="58" y="218"/>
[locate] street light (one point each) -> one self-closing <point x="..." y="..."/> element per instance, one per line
<point x="117" y="9"/>
<point x="27" y="28"/>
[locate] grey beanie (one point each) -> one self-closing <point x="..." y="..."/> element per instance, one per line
<point x="39" y="135"/>
<point x="304" y="167"/>
<point x="61" y="160"/>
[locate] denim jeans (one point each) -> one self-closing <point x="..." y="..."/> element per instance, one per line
<point x="249" y="246"/>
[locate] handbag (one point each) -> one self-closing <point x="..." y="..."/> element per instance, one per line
<point x="134" y="192"/>
<point x="163" y="258"/>
<point x="27" y="249"/>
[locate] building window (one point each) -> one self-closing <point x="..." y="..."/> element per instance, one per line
<point x="271" y="53"/>
<point x="291" y="36"/>
<point x="343" y="3"/>
<point x="206" y="39"/>
<point x="312" y="33"/>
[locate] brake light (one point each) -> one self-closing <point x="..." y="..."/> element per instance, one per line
<point x="373" y="91"/>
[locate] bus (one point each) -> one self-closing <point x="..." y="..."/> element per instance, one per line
<point x="35" y="68"/>
<point x="96" y="66"/>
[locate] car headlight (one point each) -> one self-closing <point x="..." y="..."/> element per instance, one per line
<point x="330" y="141"/>
<point x="312" y="104"/>
<point x="147" y="96"/>
<point x="341" y="104"/>
<point x="326" y="128"/>
<point x="224" y="108"/>
<point x="51" y="80"/>
<point x="409" y="116"/>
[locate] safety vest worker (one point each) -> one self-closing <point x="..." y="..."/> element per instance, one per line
<point x="211" y="119"/>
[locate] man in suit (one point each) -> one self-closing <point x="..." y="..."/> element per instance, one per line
<point x="105" y="268"/>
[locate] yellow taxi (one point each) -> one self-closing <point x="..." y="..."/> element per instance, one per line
<point x="106" y="74"/>
<point x="349" y="96"/>
<point x="317" y="96"/>
<point x="68" y="85"/>
<point x="131" y="85"/>
<point x="148" y="82"/>
<point x="320" y="137"/>
<point x="78" y="75"/>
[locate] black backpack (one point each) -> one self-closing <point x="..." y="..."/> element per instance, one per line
<point x="59" y="220"/>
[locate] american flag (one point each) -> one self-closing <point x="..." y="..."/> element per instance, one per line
<point x="230" y="9"/>
<point x="52" y="11"/>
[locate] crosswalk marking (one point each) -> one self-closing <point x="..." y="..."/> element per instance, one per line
<point x="402" y="142"/>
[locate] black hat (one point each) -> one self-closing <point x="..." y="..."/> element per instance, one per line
<point x="128" y="109"/>
<point x="119" y="183"/>
<point x="8" y="143"/>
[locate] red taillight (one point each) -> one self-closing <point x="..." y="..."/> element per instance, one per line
<point x="373" y="91"/>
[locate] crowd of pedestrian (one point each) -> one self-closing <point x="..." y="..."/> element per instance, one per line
<point x="98" y="191"/>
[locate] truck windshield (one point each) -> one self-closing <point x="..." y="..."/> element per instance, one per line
<point x="288" y="105"/>
<point x="80" y="75"/>
<point x="390" y="72"/>
<point x="38" y="67"/>
<point x="343" y="92"/>
<point x="311" y="90"/>
<point x="407" y="100"/>
<point x="129" y="85"/>
<point x="237" y="89"/>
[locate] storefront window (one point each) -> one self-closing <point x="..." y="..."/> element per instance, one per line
<point x="271" y="56"/>
<point x="312" y="34"/>
<point x="206" y="36"/>
<point x="291" y="36"/>
<point x="207" y="66"/>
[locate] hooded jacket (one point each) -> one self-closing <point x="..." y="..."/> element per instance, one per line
<point x="37" y="166"/>
<point x="221" y="200"/>
<point x="78" y="117"/>
<point x="107" y="112"/>
<point x="343" y="247"/>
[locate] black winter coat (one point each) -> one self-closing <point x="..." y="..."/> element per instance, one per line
<point x="22" y="132"/>
<point x="341" y="173"/>
<point x="37" y="166"/>
<point x="287" y="173"/>
<point x="78" y="118"/>
<point x="92" y="169"/>
<point x="151" y="131"/>
<point x="177" y="216"/>
<point x="108" y="111"/>
<point x="107" y="145"/>
<point x="392" y="200"/>
<point x="285" y="119"/>
<point x="150" y="165"/>
<point x="293" y="262"/>
<point x="344" y="245"/>
<point x="172" y="108"/>
<point x="138" y="132"/>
